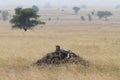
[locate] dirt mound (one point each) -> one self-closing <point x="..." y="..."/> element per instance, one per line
<point x="62" y="56"/>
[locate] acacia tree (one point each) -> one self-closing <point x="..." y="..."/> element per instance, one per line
<point x="25" y="19"/>
<point x="76" y="9"/>
<point x="104" y="14"/>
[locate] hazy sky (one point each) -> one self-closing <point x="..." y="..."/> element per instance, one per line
<point x="90" y="3"/>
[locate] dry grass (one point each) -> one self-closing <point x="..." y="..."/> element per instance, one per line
<point x="97" y="41"/>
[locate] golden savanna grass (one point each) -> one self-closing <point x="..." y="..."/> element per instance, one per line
<point x="96" y="41"/>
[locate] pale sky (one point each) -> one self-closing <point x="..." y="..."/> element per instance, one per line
<point x="90" y="3"/>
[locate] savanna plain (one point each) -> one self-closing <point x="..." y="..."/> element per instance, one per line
<point x="97" y="41"/>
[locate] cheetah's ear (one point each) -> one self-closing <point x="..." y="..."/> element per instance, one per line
<point x="57" y="47"/>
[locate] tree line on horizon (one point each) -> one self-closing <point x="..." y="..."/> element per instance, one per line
<point x="27" y="18"/>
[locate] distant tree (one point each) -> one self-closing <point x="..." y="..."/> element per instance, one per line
<point x="25" y="19"/>
<point x="89" y="17"/>
<point x="5" y="15"/>
<point x="104" y="14"/>
<point x="82" y="18"/>
<point x="35" y="8"/>
<point x="76" y="9"/>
